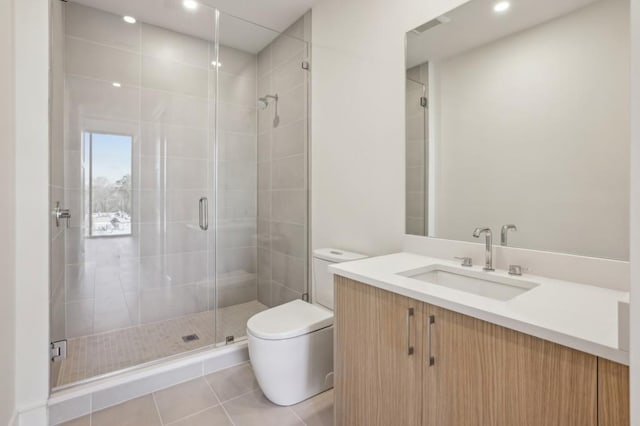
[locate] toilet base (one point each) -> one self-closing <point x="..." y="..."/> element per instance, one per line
<point x="292" y="370"/>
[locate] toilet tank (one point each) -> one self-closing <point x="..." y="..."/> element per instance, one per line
<point x="322" y="278"/>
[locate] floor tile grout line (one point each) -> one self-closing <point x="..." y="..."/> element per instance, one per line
<point x="213" y="390"/>
<point x="226" y="413"/>
<point x="296" y="415"/>
<point x="155" y="403"/>
<point x="241" y="395"/>
<point x="188" y="416"/>
<point x="216" y="404"/>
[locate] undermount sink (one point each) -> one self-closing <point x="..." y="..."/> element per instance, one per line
<point x="472" y="281"/>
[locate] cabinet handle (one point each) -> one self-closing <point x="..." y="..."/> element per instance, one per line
<point x="409" y="316"/>
<point x="431" y="359"/>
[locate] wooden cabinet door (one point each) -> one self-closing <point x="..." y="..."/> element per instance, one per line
<point x="486" y="375"/>
<point x="377" y="358"/>
<point x="613" y="394"/>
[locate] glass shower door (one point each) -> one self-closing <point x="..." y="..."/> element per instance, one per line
<point x="138" y="176"/>
<point x="262" y="184"/>
<point x="416" y="152"/>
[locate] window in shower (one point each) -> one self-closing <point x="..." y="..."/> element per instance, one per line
<point x="110" y="197"/>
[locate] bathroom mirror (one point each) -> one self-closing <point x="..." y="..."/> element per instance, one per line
<point x="517" y="112"/>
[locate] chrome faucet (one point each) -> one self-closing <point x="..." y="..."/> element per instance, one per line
<point x="488" y="264"/>
<point x="504" y="233"/>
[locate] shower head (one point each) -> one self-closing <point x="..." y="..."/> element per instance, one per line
<point x="263" y="102"/>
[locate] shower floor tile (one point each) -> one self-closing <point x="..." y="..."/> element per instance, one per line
<point x="98" y="354"/>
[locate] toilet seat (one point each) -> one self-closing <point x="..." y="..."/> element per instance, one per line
<point x="290" y="320"/>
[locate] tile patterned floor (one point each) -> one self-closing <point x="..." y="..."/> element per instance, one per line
<point x="98" y="354"/>
<point x="229" y="397"/>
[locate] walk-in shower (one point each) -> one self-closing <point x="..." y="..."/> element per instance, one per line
<point x="188" y="202"/>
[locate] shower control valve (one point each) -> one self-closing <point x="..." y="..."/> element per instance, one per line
<point x="62" y="214"/>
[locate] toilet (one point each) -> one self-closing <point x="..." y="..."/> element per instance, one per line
<point x="291" y="345"/>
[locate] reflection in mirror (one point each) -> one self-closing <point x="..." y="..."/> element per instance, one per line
<point x="521" y="116"/>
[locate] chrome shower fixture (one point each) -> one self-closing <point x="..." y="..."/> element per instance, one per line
<point x="263" y="103"/>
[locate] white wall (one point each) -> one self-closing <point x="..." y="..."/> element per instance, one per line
<point x="31" y="206"/>
<point x="7" y="216"/>
<point x="358" y="153"/>
<point x="555" y="120"/>
<point x="357" y="137"/>
<point x="635" y="213"/>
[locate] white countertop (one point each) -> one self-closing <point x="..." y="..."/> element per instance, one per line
<point x="582" y="317"/>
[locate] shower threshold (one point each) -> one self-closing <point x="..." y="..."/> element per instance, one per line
<point x="99" y="356"/>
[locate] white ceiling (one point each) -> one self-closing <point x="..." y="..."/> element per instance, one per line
<point x="475" y="23"/>
<point x="237" y="22"/>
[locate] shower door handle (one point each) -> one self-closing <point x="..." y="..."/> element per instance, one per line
<point x="203" y="213"/>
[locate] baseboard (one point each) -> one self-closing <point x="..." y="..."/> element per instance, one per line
<point x="32" y="416"/>
<point x="13" y="421"/>
<point x="83" y="399"/>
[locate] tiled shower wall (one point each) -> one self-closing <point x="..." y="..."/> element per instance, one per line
<point x="417" y="143"/>
<point x="236" y="255"/>
<point x="282" y="167"/>
<point x="166" y="103"/>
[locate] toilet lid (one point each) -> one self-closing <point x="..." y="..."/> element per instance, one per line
<point x="289" y="320"/>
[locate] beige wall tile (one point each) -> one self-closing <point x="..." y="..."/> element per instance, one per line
<point x="288" y="271"/>
<point x="101" y="62"/>
<point x="289" y="239"/>
<point x="290" y="140"/>
<point x="289" y="206"/>
<point x="281" y="294"/>
<point x="289" y="74"/>
<point x="102" y="27"/>
<point x="289" y="173"/>
<point x="99" y="99"/>
<point x="237" y="62"/>
<point x="292" y="105"/>
<point x="169" y="45"/>
<point x="237" y="90"/>
<point x="174" y="77"/>
<point x="169" y="108"/>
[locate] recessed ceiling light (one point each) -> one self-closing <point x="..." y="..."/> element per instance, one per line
<point x="216" y="64"/>
<point x="116" y="84"/>
<point x="501" y="6"/>
<point x="190" y="4"/>
<point x="129" y="19"/>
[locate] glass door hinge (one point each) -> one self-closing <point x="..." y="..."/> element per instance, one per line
<point x="59" y="350"/>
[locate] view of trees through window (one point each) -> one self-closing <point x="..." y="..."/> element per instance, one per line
<point x="110" y="188"/>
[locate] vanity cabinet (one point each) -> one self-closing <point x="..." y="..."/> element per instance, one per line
<point x="484" y="374"/>
<point x="613" y="394"/>
<point x="378" y="381"/>
<point x="462" y="371"/>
